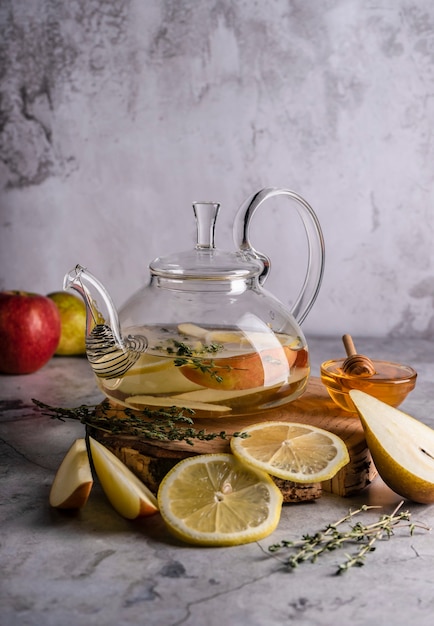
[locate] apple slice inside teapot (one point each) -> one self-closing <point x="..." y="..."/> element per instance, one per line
<point x="252" y="359"/>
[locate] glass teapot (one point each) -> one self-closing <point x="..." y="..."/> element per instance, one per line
<point x="204" y="334"/>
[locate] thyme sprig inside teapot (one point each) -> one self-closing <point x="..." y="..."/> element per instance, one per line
<point x="185" y="355"/>
<point x="170" y="424"/>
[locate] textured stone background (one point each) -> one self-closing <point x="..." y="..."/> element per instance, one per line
<point x="116" y="114"/>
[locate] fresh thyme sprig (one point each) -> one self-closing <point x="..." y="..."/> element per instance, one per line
<point x="161" y="425"/>
<point x="187" y="356"/>
<point x="311" y="547"/>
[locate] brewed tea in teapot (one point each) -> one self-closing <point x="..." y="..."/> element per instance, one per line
<point x="204" y="334"/>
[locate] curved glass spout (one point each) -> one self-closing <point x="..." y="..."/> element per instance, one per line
<point x="109" y="354"/>
<point x="88" y="286"/>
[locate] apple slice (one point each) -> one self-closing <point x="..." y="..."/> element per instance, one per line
<point x="243" y="371"/>
<point x="215" y="395"/>
<point x="138" y="402"/>
<point x="73" y="480"/>
<point x="126" y="493"/>
<point x="192" y="330"/>
<point x="402" y="447"/>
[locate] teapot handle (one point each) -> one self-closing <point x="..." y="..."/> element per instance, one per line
<point x="315" y="266"/>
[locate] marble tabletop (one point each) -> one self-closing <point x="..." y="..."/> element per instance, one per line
<point x="96" y="568"/>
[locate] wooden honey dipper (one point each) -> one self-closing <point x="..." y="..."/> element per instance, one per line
<point x="356" y="364"/>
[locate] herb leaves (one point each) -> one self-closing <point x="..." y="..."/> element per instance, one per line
<point x="334" y="536"/>
<point x="170" y="424"/>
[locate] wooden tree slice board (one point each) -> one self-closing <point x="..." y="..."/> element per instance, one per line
<point x="151" y="460"/>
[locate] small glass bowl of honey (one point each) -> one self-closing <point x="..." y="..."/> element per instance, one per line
<point x="391" y="382"/>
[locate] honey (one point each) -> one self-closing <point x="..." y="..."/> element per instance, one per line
<point x="391" y="382"/>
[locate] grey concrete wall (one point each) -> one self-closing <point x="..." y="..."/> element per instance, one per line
<point x="115" y="115"/>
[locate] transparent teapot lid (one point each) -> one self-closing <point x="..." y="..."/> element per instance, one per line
<point x="205" y="261"/>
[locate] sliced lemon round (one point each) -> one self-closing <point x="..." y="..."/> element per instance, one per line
<point x="296" y="452"/>
<point x="215" y="500"/>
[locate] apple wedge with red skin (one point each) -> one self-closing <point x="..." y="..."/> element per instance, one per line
<point x="247" y="371"/>
<point x="29" y="331"/>
<point x="73" y="480"/>
<point x="126" y="493"/>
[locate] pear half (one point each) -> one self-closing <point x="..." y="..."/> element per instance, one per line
<point x="402" y="447"/>
<point x="73" y="480"/>
<point x="126" y="493"/>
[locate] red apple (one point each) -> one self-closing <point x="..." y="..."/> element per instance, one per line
<point x="29" y="331"/>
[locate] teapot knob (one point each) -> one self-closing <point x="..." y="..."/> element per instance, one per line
<point x="206" y="214"/>
<point x="315" y="241"/>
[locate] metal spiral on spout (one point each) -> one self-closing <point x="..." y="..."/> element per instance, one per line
<point x="109" y="359"/>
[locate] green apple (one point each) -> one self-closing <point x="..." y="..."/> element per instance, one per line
<point x="73" y="320"/>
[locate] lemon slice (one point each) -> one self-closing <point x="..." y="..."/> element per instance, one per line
<point x="296" y="452"/>
<point x="215" y="500"/>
